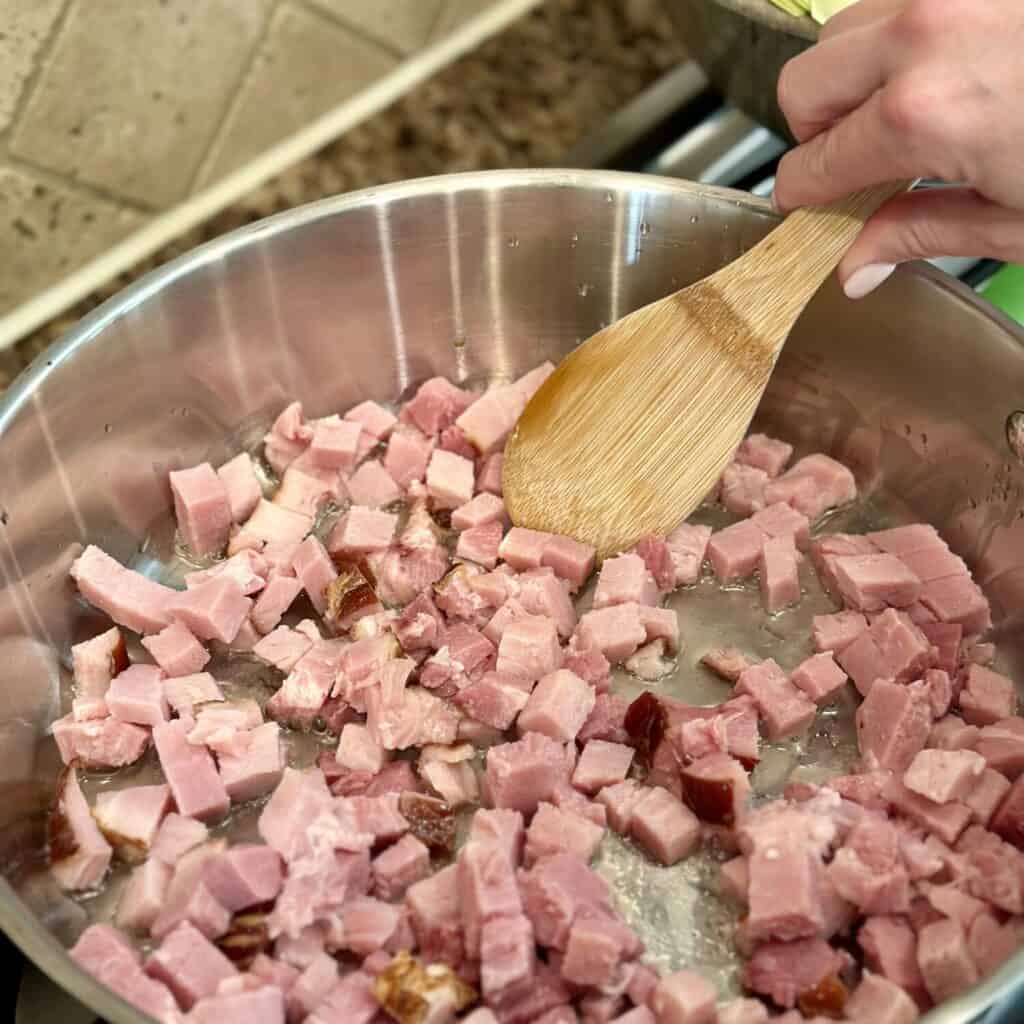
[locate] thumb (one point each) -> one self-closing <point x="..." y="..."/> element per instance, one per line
<point x="926" y="224"/>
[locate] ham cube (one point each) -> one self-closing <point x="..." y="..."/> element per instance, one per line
<point x="435" y="907"/>
<point x="529" y="647"/>
<point x="784" y="889"/>
<point x="952" y="733"/>
<point x="554" y="830"/>
<point x="189" y="965"/>
<point x="619" y="801"/>
<point x="99" y="743"/>
<point x="945" y="961"/>
<point x="95" y="662"/>
<point x="373" y="418"/>
<point x="956" y="599"/>
<point x="305" y="490"/>
<point x="890" y="949"/>
<point x="881" y="1002"/>
<point x="765" y="453"/>
<point x="288" y="438"/>
<point x="313" y="566"/>
<point x="780" y="581"/>
<point x="129" y="818"/>
<point x="945" y="637"/>
<point x="185" y="692"/>
<point x="480" y="545"/>
<point x="501" y="827"/>
<point x="734" y="880"/>
<point x="420" y="625"/>
<point x="143" y="896"/>
<point x="870" y="583"/>
<point x="684" y="998"/>
<point x="350" y="1001"/>
<point x="197" y="788"/>
<point x="450" y="479"/>
<point x="818" y="677"/>
<point x="407" y="456"/>
<point x="244" y="876"/>
<point x="740" y="1011"/>
<point x="176" y="650"/>
<point x="265" y="1005"/>
<point x="276" y="598"/>
<point x="947" y="821"/>
<point x="784" y="710"/>
<point x="687" y="547"/>
<point x="107" y="956"/>
<point x="1008" y="821"/>
<point x="137" y="696"/>
<point x="368" y="924"/>
<point x="372" y="486"/>
<point x="175" y="837"/>
<point x="202" y="508"/>
<point x="625" y="579"/>
<point x="657" y="557"/>
<point x="544" y="594"/>
<point x="734" y="552"/>
<point x="524" y="549"/>
<point x="257" y="769"/>
<point x="716" y="788"/>
<point x="892" y="647"/>
<point x="601" y="764"/>
<point x="664" y="826"/>
<point x="813" y="485"/>
<point x="985" y="796"/>
<point x="214" y="610"/>
<point x="489" y="478"/>
<point x="335" y="443"/>
<point x="593" y="954"/>
<point x="273" y="530"/>
<point x="490" y="419"/>
<point x="781" y="520"/>
<point x="837" y="631"/>
<point x="129" y="598"/>
<point x="944" y="775"/>
<point x="1001" y="744"/>
<point x="893" y="725"/>
<point x="987" y="696"/>
<point x="742" y="489"/>
<point x="487" y="890"/>
<point x="869" y="870"/>
<point x="492" y="700"/>
<point x="558" y="706"/>
<point x="520" y="775"/>
<point x="479" y="511"/>
<point x="358" y="751"/>
<point x="559" y="890"/>
<point x="436" y="405"/>
<point x="990" y="943"/>
<point x="507" y="954"/>
<point x="617" y="632"/>
<point x="399" y="866"/>
<point x="726" y="662"/>
<point x="456" y="784"/>
<point x="79" y="855"/>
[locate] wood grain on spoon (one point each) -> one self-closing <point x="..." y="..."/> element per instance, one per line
<point x="635" y="426"/>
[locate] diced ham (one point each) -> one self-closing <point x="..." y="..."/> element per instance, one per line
<point x="657" y="557"/>
<point x="716" y="788"/>
<point x="818" y="677"/>
<point x="557" y="891"/>
<point x="944" y="775"/>
<point x="185" y="692"/>
<point x="435" y="904"/>
<point x="1001" y="744"/>
<point x="137" y="696"/>
<point x="870" y="583"/>
<point x="953" y="733"/>
<point x="529" y="647"/>
<point x="957" y="599"/>
<point x="987" y="696"/>
<point x="372" y="486"/>
<point x="373" y="418"/>
<point x="306" y="489"/>
<point x="990" y="943"/>
<point x="450" y="479"/>
<point x="257" y="769"/>
<point x="197" y="788"/>
<point x="101" y="744"/>
<point x="783" y="708"/>
<point x="436" y="405"/>
<point x="554" y="830"/>
<point x="307" y="686"/>
<point x="780" y="581"/>
<point x="456" y="784"/>
<point x="489" y="478"/>
<point x="335" y="443"/>
<point x="734" y="552"/>
<point x="742" y="488"/>
<point x="688" y="546"/>
<point x="276" y="598"/>
<point x="868" y="870"/>
<point x="601" y="764"/>
<point x="892" y="647"/>
<point x="175" y="837"/>
<point x="399" y="866"/>
<point x="813" y="485"/>
<point x="106" y="954"/>
<point x="176" y="650"/>
<point x="890" y="949"/>
<point x="244" y="876"/>
<point x="764" y="452"/>
<point x="784" y="890"/>
<point x="742" y="1011"/>
<point x="480" y="544"/>
<point x="946" y="821"/>
<point x="129" y="598"/>
<point x="727" y="662"/>
<point x="507" y="954"/>
<point x="367" y="924"/>
<point x="684" y="997"/>
<point x="781" y="520"/>
<point x="288" y="438"/>
<point x="784" y="971"/>
<point x="524" y="549"/>
<point x="617" y="632"/>
<point x="273" y="530"/>
<point x="945" y="637"/>
<point x="944" y="959"/>
<point x="558" y="706"/>
<point x="358" y="751"/>
<point x="314" y="568"/>
<point x="87" y="709"/>
<point x="664" y="826"/>
<point x="570" y="559"/>
<point x="893" y="725"/>
<point x="837" y="631"/>
<point x="492" y="701"/>
<point x="130" y="817"/>
<point x="490" y="419"/>
<point x="95" y="662"/>
<point x="542" y="593"/>
<point x="503" y="827"/>
<point x="985" y="796"/>
<point x="264" y="1005"/>
<point x="624" y="579"/>
<point x="407" y="455"/>
<point x="420" y="625"/>
<point x="143" y="896"/>
<point x="214" y="610"/>
<point x="520" y="775"/>
<point x="350" y="1001"/>
<point x="878" y="1001"/>
<point x="1008" y="821"/>
<point x="202" y="508"/>
<point x="479" y="511"/>
<point x="592" y="666"/>
<point x="734" y="880"/>
<point x="189" y="965"/>
<point x="79" y="855"/>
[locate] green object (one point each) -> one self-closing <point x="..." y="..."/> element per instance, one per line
<point x="1005" y="289"/>
<point x="822" y="10"/>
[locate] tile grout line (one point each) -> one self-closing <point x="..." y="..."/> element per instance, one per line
<point x="234" y="98"/>
<point x="360" y="34"/>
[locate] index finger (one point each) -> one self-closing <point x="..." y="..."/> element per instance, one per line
<point x="859" y="15"/>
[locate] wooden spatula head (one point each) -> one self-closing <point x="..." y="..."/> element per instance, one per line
<point x="634" y="427"/>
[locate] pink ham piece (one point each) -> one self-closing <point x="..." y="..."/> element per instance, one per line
<point x="953" y="733"/>
<point x="657" y="557"/>
<point x="95" y="662"/>
<point x="450" y="479"/>
<point x="238" y="475"/>
<point x="784" y="710"/>
<point x="780" y="581"/>
<point x="624" y="579"/>
<point x="483" y="509"/>
<point x="407" y="456"/>
<point x="288" y="438"/>
<point x="869" y="871"/>
<point x="255" y="770"/>
<point x="734" y="552"/>
<point x="687" y="547"/>
<point x="742" y="489"/>
<point x="130" y="818"/>
<point x="373" y="418"/>
<point x="313" y="566"/>
<point x="727" y="662"/>
<point x="176" y="651"/>
<point x="362" y="531"/>
<point x="490" y="419"/>
<point x="277" y="597"/>
<point x="554" y="830"/>
<point x="890" y="949"/>
<point x="107" y="956"/>
<point x="524" y="549"/>
<point x="765" y="453"/>
<point x="507" y="954"/>
<point x="399" y="866"/>
<point x="480" y="545"/>
<point x="985" y="796"/>
<point x="892" y="647"/>
<point x="372" y="486"/>
<point x="502" y="827"/>
<point x="189" y="965"/>
<point x="335" y="443"/>
<point x="79" y="855"/>
<point x="350" y="1001"/>
<point x="99" y="744"/>
<point x="368" y="924"/>
<point x="893" y="725"/>
<point x="495" y="699"/>
<point x="987" y="696"/>
<point x="878" y="1001"/>
<point x="716" y="788"/>
<point x="518" y="776"/>
<point x="780" y="520"/>
<point x="619" y="801"/>
<point x="312" y="985"/>
<point x="175" y="837"/>
<point x="957" y="599"/>
<point x="137" y="696"/>
<point x="945" y="961"/>
<point x="489" y="478"/>
<point x="784" y="971"/>
<point x="1008" y="820"/>
<point x="185" y="692"/>
<point x="664" y="826"/>
<point x="1001" y="744"/>
<point x="487" y="890"/>
<point x="742" y="1011"/>
<point x="542" y="593"/>
<point x="818" y="677"/>
<point x="358" y="751"/>
<point x="202" y="508"/>
<point x="870" y="583"/>
<point x="436" y="404"/>
<point x="214" y="610"/>
<point x="617" y="632"/>
<point x="435" y="906"/>
<point x="307" y="686"/>
<point x="944" y="775"/>
<point x="529" y="647"/>
<point x="837" y="631"/>
<point x="946" y="821"/>
<point x="273" y="530"/>
<point x="129" y="598"/>
<point x="197" y="788"/>
<point x="813" y="485"/>
<point x="243" y="876"/>
<point x="601" y="764"/>
<point x="558" y="706"/>
<point x="684" y="998"/>
<point x="264" y="1005"/>
<point x="143" y="896"/>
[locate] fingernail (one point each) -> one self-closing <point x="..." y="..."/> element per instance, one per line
<point x="865" y="280"/>
<point x="775" y="203"/>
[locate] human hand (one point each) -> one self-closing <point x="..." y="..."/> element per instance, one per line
<point x="900" y="89"/>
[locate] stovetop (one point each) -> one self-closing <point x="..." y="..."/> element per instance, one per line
<point x="677" y="128"/>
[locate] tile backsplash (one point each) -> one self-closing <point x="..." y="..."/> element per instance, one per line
<point x="112" y="112"/>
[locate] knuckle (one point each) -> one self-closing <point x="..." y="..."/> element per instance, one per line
<point x="906" y="109"/>
<point x="924" y="20"/>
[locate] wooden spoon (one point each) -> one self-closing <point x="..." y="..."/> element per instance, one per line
<point x="634" y="427"/>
